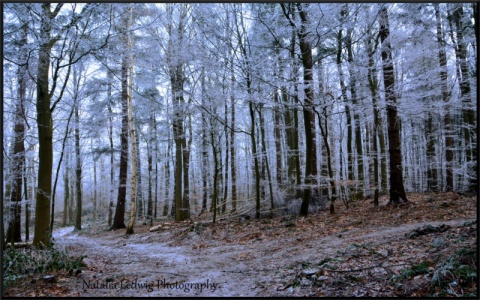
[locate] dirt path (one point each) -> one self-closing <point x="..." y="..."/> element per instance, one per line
<point x="138" y="265"/>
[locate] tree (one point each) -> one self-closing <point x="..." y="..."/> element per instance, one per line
<point x="442" y="58"/>
<point x="397" y="191"/>
<point x="45" y="127"/>
<point x="308" y="116"/>
<point x="133" y="191"/>
<point x="78" y="168"/>
<point x="119" y="218"/>
<point x="18" y="147"/>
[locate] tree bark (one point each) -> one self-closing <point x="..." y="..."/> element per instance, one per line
<point x="358" y="194"/>
<point x="265" y="153"/>
<point x="468" y="113"/>
<point x="397" y="191"/>
<point x="78" y="172"/>
<point x="377" y="121"/>
<point x="150" y="166"/>
<point x="442" y="57"/>
<point x="42" y="232"/>
<point x="308" y="115"/>
<point x="348" y="112"/>
<point x="119" y="218"/>
<point x="233" y="169"/>
<point x="66" y="195"/>
<point x="204" y="149"/>
<point x="131" y="123"/>
<point x="18" y="147"/>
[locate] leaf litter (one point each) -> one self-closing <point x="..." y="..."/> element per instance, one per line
<point x="421" y="249"/>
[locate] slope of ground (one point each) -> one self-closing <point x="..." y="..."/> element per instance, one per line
<point x="423" y="249"/>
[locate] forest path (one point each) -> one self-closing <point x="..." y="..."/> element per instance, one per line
<point x="142" y="265"/>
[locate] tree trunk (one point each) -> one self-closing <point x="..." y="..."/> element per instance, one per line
<point x="28" y="197"/>
<point x="186" y="145"/>
<point x="377" y="121"/>
<point x="110" y="138"/>
<point x="150" y="165"/>
<point x="397" y="191"/>
<point x="71" y="203"/>
<point x="167" y="179"/>
<point x="215" y="176"/>
<point x="204" y="158"/>
<point x="66" y="192"/>
<point x="359" y="186"/>
<point x="348" y="113"/>
<point x="265" y="153"/>
<point x="18" y="147"/>
<point x="119" y="218"/>
<point x="331" y="179"/>
<point x="78" y="172"/>
<point x="278" y="138"/>
<point x="255" y="154"/>
<point x="140" y="207"/>
<point x="45" y="133"/>
<point x="251" y="109"/>
<point x="131" y="123"/>
<point x="227" y="150"/>
<point x="94" y="189"/>
<point x="442" y="57"/>
<point x="308" y="115"/>
<point x="468" y="114"/>
<point x="233" y="169"/>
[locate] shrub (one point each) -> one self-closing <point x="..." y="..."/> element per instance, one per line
<point x="21" y="263"/>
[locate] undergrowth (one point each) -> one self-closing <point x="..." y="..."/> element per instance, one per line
<point x="22" y="263"/>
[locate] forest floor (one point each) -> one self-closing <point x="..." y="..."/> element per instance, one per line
<point x="427" y="248"/>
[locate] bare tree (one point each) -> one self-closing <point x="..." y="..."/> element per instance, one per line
<point x="397" y="191"/>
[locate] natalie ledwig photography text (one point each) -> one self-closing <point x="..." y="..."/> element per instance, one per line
<point x="150" y="286"/>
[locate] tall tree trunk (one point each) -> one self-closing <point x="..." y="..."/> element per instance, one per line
<point x="28" y="197"/>
<point x="377" y="121"/>
<point x="71" y="203"/>
<point x="18" y="147"/>
<point x="45" y="132"/>
<point x="110" y="138"/>
<point x="468" y="114"/>
<point x="265" y="154"/>
<point x="186" y="145"/>
<point x="119" y="218"/>
<point x="66" y="195"/>
<point x="140" y="207"/>
<point x="177" y="80"/>
<point x="277" y="133"/>
<point x="442" y="57"/>
<point x="177" y="133"/>
<point x="431" y="168"/>
<point x="233" y="169"/>
<point x="216" y="171"/>
<point x="227" y="150"/>
<point x="131" y="123"/>
<point x="331" y="179"/>
<point x="343" y="88"/>
<point x="78" y="172"/>
<point x="324" y="166"/>
<point x="151" y="140"/>
<point x="94" y="189"/>
<point x="397" y="191"/>
<point x="204" y="154"/>
<point x="356" y="119"/>
<point x="254" y="153"/>
<point x="251" y="108"/>
<point x="167" y="178"/>
<point x="294" y="178"/>
<point x="308" y="115"/>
